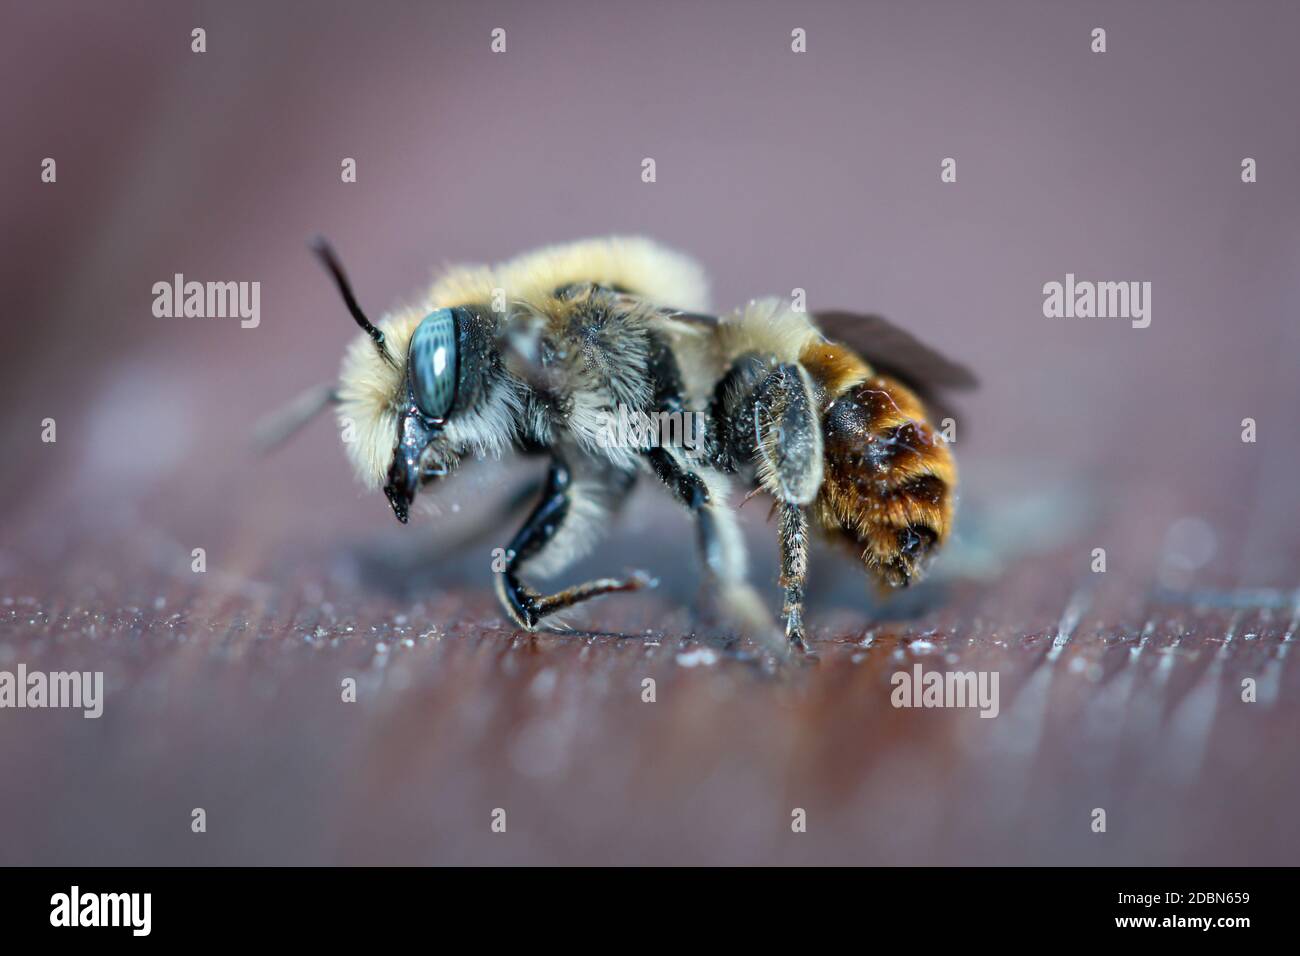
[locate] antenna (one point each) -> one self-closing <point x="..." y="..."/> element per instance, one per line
<point x="327" y="255"/>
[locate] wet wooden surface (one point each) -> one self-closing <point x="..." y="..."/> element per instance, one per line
<point x="224" y="692"/>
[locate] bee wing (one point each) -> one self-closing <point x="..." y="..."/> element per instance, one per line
<point x="521" y="344"/>
<point x="890" y="350"/>
<point x="894" y="351"/>
<point x="901" y="355"/>
<point x="695" y="323"/>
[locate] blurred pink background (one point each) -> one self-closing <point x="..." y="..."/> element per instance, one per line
<point x="777" y="170"/>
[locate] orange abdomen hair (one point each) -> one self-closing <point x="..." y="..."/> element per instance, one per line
<point x="889" y="478"/>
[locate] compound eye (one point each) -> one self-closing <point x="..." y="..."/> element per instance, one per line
<point x="431" y="364"/>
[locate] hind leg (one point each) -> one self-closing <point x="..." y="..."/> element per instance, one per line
<point x="789" y="454"/>
<point x="794" y="569"/>
<point x="771" y="409"/>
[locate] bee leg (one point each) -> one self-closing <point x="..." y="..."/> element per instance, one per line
<point x="721" y="546"/>
<point x="789" y="453"/>
<point x="794" y="569"/>
<point x="789" y="450"/>
<point x="527" y="607"/>
<point x="559" y="529"/>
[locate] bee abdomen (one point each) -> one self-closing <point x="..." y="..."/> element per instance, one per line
<point x="888" y="487"/>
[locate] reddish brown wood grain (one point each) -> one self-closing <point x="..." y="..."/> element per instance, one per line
<point x="223" y="692"/>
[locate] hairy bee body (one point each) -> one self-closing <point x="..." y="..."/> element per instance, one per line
<point x="538" y="353"/>
<point x="881" y="481"/>
<point x="889" y="479"/>
<point x="812" y="423"/>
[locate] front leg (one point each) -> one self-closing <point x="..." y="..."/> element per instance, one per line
<point x="561" y="528"/>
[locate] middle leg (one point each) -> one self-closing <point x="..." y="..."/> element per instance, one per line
<point x="705" y="493"/>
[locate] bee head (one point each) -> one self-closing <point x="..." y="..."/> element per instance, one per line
<point x="428" y="393"/>
<point x="417" y="392"/>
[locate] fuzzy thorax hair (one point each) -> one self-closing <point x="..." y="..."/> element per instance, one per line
<point x="370" y="388"/>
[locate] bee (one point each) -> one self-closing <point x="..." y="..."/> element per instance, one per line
<point x="826" y="414"/>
